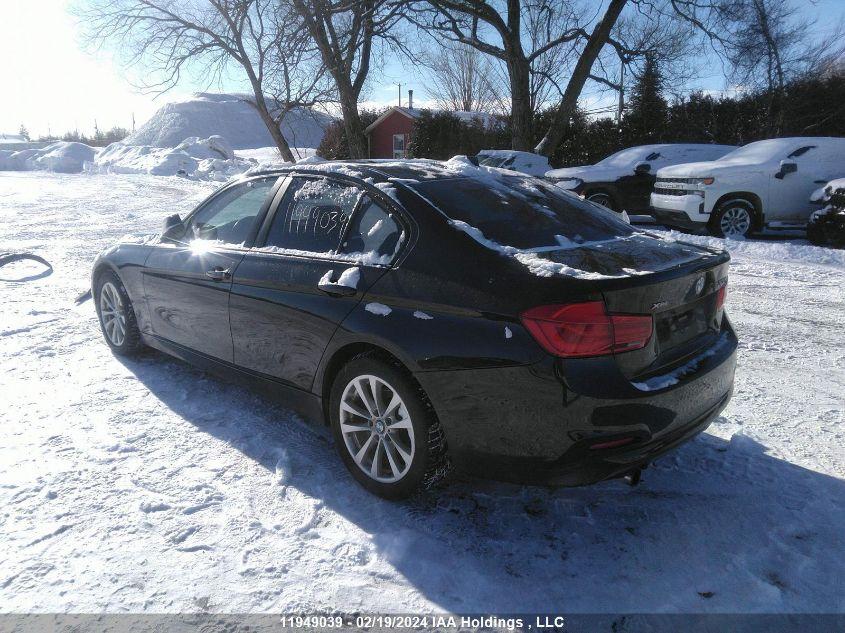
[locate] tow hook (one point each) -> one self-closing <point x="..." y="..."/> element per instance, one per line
<point x="633" y="477"/>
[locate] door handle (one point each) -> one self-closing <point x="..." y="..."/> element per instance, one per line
<point x="218" y="273"/>
<point x="336" y="290"/>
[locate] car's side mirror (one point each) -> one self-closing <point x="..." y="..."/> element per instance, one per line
<point x="642" y="168"/>
<point x="786" y="168"/>
<point x="174" y="228"/>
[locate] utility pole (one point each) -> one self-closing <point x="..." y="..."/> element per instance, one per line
<point x="621" y="93"/>
<point x="400" y="94"/>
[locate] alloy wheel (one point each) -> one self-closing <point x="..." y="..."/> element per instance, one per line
<point x="735" y="222"/>
<point x="112" y="314"/>
<point x="377" y="429"/>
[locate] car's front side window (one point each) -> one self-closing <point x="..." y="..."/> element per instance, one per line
<point x="313" y="215"/>
<point x="230" y="217"/>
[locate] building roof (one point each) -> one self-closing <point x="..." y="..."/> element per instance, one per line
<point x="487" y="119"/>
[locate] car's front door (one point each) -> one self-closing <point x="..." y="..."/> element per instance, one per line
<point x="326" y="243"/>
<point x="187" y="281"/>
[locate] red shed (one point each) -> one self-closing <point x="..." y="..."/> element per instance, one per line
<point x="390" y="134"/>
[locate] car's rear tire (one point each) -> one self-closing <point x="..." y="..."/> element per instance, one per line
<point x="385" y="428"/>
<point x="733" y="218"/>
<point x="116" y="315"/>
<point x="602" y="198"/>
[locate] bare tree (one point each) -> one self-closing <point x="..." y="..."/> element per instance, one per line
<point x="595" y="42"/>
<point x="345" y="32"/>
<point x="772" y="44"/>
<point x="266" y="39"/>
<point x="462" y="78"/>
<point x="497" y="28"/>
<point x="710" y="22"/>
<point x="662" y="38"/>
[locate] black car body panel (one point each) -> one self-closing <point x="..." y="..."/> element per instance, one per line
<point x="509" y="409"/>
<point x="631" y="192"/>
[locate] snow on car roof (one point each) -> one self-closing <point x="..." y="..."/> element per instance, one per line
<point x="761" y="151"/>
<point x="640" y="152"/>
<point x="505" y="152"/>
<point x="410" y="170"/>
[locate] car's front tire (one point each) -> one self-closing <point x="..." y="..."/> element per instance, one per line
<point x="385" y="429"/>
<point x="733" y="218"/>
<point x="116" y="315"/>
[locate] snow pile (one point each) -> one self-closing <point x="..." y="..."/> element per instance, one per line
<point x="62" y="157"/>
<point x="214" y="146"/>
<point x="231" y="116"/>
<point x="210" y="158"/>
<point x="12" y="138"/>
<point x="271" y="155"/>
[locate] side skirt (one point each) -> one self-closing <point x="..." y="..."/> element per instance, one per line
<point x="305" y="403"/>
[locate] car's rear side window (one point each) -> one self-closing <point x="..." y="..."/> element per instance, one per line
<point x="313" y="215"/>
<point x="522" y="212"/>
<point x="374" y="231"/>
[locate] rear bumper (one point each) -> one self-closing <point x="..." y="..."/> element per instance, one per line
<point x="536" y="424"/>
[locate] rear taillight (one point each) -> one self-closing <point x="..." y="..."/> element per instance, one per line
<point x="586" y="329"/>
<point x="721" y="295"/>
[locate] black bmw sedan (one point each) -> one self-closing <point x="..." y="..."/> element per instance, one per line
<point x="437" y="315"/>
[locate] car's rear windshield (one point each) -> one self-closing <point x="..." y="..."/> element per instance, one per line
<point x="522" y="212"/>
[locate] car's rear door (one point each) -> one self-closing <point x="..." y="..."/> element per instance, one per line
<point x="634" y="189"/>
<point x="789" y="196"/>
<point x="187" y="281"/>
<point x="325" y="243"/>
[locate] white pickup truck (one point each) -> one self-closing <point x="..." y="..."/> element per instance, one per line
<point x="762" y="185"/>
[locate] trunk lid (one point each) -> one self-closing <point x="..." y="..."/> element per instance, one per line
<point x="674" y="282"/>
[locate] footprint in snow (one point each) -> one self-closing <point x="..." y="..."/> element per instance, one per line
<point x="152" y="506"/>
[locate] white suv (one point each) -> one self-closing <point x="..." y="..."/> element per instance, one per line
<point x="766" y="184"/>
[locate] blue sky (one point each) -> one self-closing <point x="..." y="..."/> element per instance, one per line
<point x="48" y="82"/>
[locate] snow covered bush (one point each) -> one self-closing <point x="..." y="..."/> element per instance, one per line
<point x="827" y="226"/>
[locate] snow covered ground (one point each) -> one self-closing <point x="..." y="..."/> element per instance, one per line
<point x="145" y="485"/>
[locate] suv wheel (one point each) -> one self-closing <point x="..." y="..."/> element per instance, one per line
<point x="734" y="218"/>
<point x="117" y="317"/>
<point x="385" y="429"/>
